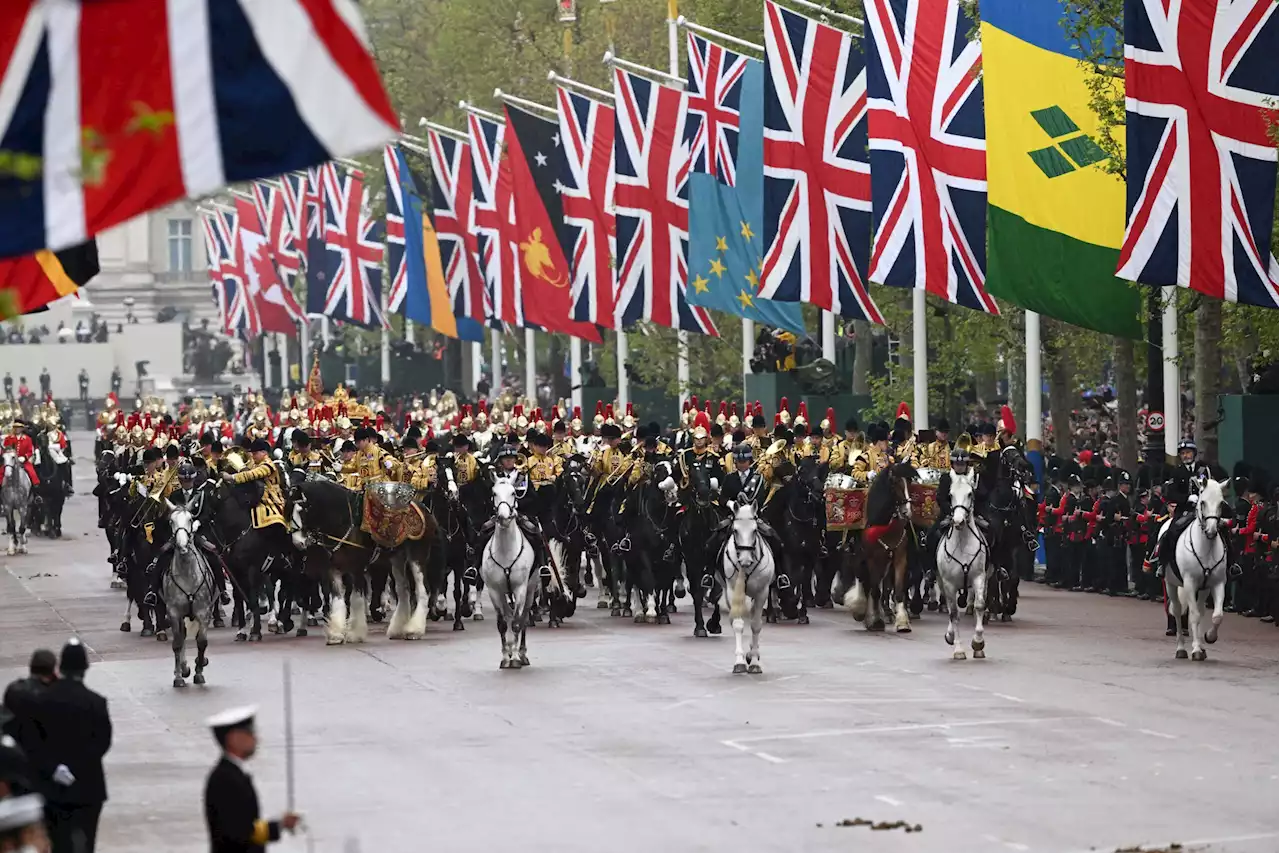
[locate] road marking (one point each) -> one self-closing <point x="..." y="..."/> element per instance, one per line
<point x="1115" y="723"/>
<point x="1154" y="733"/>
<point x="1007" y="697"/>
<point x="772" y="759"/>
<point x="887" y="799"/>
<point x="908" y="727"/>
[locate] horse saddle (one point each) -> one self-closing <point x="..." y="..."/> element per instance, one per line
<point x="391" y="515"/>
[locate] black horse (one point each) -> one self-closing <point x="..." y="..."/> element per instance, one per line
<point x="452" y="554"/>
<point x="797" y="512"/>
<point x="564" y="525"/>
<point x="699" y="519"/>
<point x="50" y="496"/>
<point x="1010" y="516"/>
<point x="648" y="548"/>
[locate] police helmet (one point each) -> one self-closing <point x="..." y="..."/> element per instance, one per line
<point x="743" y="453"/>
<point x="959" y="456"/>
<point x="1187" y="444"/>
<point x="186" y="472"/>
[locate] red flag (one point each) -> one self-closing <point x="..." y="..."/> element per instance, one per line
<point x="277" y="308"/>
<point x="540" y="257"/>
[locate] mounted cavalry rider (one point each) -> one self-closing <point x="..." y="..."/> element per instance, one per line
<point x="373" y="463"/>
<point x="185" y="492"/>
<point x="959" y="467"/>
<point x="1180" y="491"/>
<point x="743" y="481"/>
<point x="23" y="449"/>
<point x="270" y="508"/>
<point x="874" y="458"/>
<point x="511" y="465"/>
<point x="700" y="453"/>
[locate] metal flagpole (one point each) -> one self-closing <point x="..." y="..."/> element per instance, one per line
<point x="673" y="69"/>
<point x="495" y="365"/>
<point x="748" y="346"/>
<point x="1172" y="395"/>
<point x="920" y="353"/>
<point x="408" y="330"/>
<point x="290" y="775"/>
<point x="829" y="336"/>
<point x="530" y="366"/>
<point x="624" y="391"/>
<point x="386" y="342"/>
<point x="304" y="351"/>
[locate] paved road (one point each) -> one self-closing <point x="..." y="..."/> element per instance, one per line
<point x="1079" y="732"/>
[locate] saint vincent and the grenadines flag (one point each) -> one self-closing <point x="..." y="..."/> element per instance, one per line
<point x="542" y="241"/>
<point x="1055" y="220"/>
<point x="31" y="283"/>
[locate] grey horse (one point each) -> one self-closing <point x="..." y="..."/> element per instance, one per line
<point x="15" y="501"/>
<point x="189" y="594"/>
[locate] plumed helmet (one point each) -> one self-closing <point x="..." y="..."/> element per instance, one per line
<point x="701" y="426"/>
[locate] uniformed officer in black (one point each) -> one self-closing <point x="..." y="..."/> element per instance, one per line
<point x="18" y="713"/>
<point x="74" y="735"/>
<point x="742" y="474"/>
<point x="231" y="808"/>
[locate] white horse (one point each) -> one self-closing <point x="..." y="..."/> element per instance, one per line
<point x="189" y="595"/>
<point x="506" y="566"/>
<point x="1198" y="568"/>
<point x="746" y="572"/>
<point x="963" y="561"/>
<point x="15" y="501"/>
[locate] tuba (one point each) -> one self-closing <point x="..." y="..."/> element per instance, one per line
<point x="964" y="442"/>
<point x="234" y="460"/>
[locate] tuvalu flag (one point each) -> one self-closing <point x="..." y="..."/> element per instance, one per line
<point x="31" y="283"/>
<point x="544" y="243"/>
<point x="1055" y="219"/>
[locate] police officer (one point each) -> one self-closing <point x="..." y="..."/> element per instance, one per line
<point x="231" y="807"/>
<point x="22" y="697"/>
<point x="742" y="478"/>
<point x="74" y="735"/>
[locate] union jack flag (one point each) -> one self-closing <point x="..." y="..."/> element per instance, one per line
<point x="587" y="137"/>
<point x="451" y="201"/>
<point x="353" y="252"/>
<point x="817" y="184"/>
<point x="215" y="252"/>
<point x="295" y="208"/>
<point x="490" y="215"/>
<point x="276" y="308"/>
<point x="1200" y="86"/>
<point x="715" y="95"/>
<point x="652" y="208"/>
<point x="232" y="291"/>
<point x="273" y="214"/>
<point x="397" y="269"/>
<point x="250" y="90"/>
<point x="928" y="151"/>
<point x="310" y="228"/>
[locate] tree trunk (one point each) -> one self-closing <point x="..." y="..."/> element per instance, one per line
<point x="862" y="357"/>
<point x="1208" y="372"/>
<point x="1126" y="403"/>
<point x="1060" y="403"/>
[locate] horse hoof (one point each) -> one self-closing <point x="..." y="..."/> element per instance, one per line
<point x="626" y="611"/>
<point x="958" y="654"/>
<point x="580" y="592"/>
<point x="199" y="679"/>
<point x="219" y="622"/>
<point x="458" y="626"/>
<point x="301" y="632"/>
<point x="329" y="641"/>
<point x="312" y="622"/>
<point x="639" y="619"/>
<point x="1180" y="654"/>
<point x="126" y="627"/>
<point x="876" y="626"/>
<point x="699" y="632"/>
<point x="1211" y="636"/>
<point x="739" y="668"/>
<point x="949" y="638"/>
<point x="602" y="605"/>
<point x="904" y="628"/>
<point x="802" y="620"/>
<point x="179" y="682"/>
<point x="504" y="664"/>
<point x="671" y="608"/>
<point x="826" y="605"/>
<point x="1199" y="654"/>
<point x="714" y="629"/>
<point x="524" y="660"/>
<point x="162" y="636"/>
<point x="1006" y="617"/>
<point x="376" y="616"/>
<point x="979" y="654"/>
<point x="477" y="617"/>
<point x="240" y="638"/>
<point x="615" y="611"/>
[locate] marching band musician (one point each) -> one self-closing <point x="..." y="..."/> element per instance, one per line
<point x="701" y="447"/>
<point x="303" y="455"/>
<point x="270" y="509"/>
<point x="936" y="453"/>
<point x="874" y="459"/>
<point x="465" y="465"/>
<point x="903" y="442"/>
<point x="372" y="462"/>
<point x="346" y="468"/>
<point x="23" y="448"/>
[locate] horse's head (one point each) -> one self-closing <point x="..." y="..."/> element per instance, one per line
<point x="504" y="500"/>
<point x="963" y="495"/>
<point x="573" y="482"/>
<point x="700" y="476"/>
<point x="1211" y="508"/>
<point x="901" y="476"/>
<point x="745" y="526"/>
<point x="182" y="526"/>
<point x="10" y="460"/>
<point x="812" y="479"/>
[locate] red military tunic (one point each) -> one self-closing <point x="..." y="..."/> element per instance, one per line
<point x="23" y="449"/>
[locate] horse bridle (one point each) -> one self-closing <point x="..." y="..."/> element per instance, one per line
<point x="755" y="548"/>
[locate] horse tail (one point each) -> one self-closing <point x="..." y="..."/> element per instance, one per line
<point x="737" y="592"/>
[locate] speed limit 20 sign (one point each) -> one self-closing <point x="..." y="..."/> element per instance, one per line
<point x="1155" y="421"/>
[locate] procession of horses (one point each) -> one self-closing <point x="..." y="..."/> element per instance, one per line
<point x="275" y="521"/>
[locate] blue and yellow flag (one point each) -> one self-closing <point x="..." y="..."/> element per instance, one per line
<point x="1055" y="218"/>
<point x="725" y="249"/>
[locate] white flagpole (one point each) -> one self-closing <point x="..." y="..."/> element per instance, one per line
<point x="575" y="372"/>
<point x="386" y="343"/>
<point x="748" y="347"/>
<point x="1172" y="395"/>
<point x="530" y="366"/>
<point x="496" y="361"/>
<point x="1035" y="418"/>
<point x="829" y="336"/>
<point x="920" y="352"/>
<point x="408" y="330"/>
<point x="477" y="362"/>
<point x="624" y="391"/>
<point x="673" y="68"/>
<point x="304" y="348"/>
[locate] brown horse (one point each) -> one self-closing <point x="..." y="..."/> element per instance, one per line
<point x="882" y="552"/>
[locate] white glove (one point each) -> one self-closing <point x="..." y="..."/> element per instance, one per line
<point x="667" y="485"/>
<point x="453" y="489"/>
<point x="22" y="460"/>
<point x="715" y="484"/>
<point x="63" y="776"/>
<point x="388" y="464"/>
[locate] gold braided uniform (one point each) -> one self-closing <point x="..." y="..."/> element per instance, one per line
<point x="543" y="469"/>
<point x="905" y="451"/>
<point x="270" y="510"/>
<point x="376" y="465"/>
<point x="349" y="475"/>
<point x="310" y="460"/>
<point x="160" y="482"/>
<point x="935" y="454"/>
<point x="564" y="448"/>
<point x="422" y="473"/>
<point x="611" y="464"/>
<point x="465" y="468"/>
<point x="871" y="461"/>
